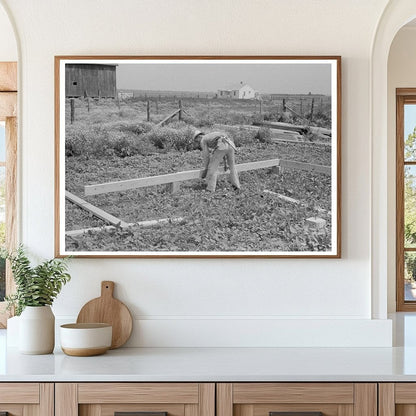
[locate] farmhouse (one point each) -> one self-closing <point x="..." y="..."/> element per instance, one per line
<point x="123" y="95"/>
<point x="90" y="80"/>
<point x="239" y="91"/>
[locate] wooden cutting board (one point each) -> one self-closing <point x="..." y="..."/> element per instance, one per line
<point x="107" y="309"/>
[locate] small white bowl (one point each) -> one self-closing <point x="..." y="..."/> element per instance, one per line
<point x="83" y="340"/>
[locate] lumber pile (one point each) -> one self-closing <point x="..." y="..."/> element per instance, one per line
<point x="320" y="132"/>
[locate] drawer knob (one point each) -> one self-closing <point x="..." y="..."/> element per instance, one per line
<point x="139" y="414"/>
<point x="295" y="413"/>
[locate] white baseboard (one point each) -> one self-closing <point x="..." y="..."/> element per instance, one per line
<point x="189" y="332"/>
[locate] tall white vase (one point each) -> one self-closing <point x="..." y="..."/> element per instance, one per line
<point x="37" y="330"/>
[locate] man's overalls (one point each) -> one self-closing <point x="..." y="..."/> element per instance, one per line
<point x="217" y="146"/>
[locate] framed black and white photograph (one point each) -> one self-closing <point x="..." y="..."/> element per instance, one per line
<point x="198" y="156"/>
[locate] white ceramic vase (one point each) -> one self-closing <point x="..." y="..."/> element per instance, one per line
<point x="37" y="330"/>
<point x="12" y="334"/>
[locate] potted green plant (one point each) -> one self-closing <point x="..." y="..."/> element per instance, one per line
<point x="36" y="289"/>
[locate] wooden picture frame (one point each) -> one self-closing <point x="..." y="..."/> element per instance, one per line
<point x="128" y="172"/>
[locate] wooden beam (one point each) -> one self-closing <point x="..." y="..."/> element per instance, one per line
<point x="293" y="127"/>
<point x="169" y="178"/>
<point x="283" y="197"/>
<point x="293" y="200"/>
<point x="8" y="76"/>
<point x="146" y="224"/>
<point x="195" y="174"/>
<point x="320" y="131"/>
<point x="276" y="140"/>
<point x="305" y="166"/>
<point x="168" y="118"/>
<point x="111" y="219"/>
<point x="281" y="126"/>
<point x="8" y="105"/>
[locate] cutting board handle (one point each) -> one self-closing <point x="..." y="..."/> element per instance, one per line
<point x="107" y="289"/>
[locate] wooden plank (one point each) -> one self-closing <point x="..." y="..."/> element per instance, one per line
<point x="191" y="410"/>
<point x="386" y="399"/>
<point x="207" y="399"/>
<point x="405" y="393"/>
<point x="277" y="140"/>
<point x="8" y="105"/>
<point x="111" y="219"/>
<point x="66" y="399"/>
<point x="245" y="410"/>
<point x="294" y="112"/>
<point x="138" y="393"/>
<point x="321" y="131"/>
<point x="150" y="223"/>
<point x="340" y="393"/>
<point x="168" y="118"/>
<point x="365" y="399"/>
<point x="283" y="197"/>
<point x="281" y="126"/>
<point x="195" y="174"/>
<point x="224" y="399"/>
<point x="47" y="399"/>
<point x="291" y="164"/>
<point x="170" y="178"/>
<point x="30" y="410"/>
<point x="405" y="410"/>
<point x="22" y="393"/>
<point x="91" y="410"/>
<point x="345" y="410"/>
<point x="14" y="409"/>
<point x="8" y="76"/>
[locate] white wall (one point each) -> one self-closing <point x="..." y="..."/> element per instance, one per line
<point x="205" y="301"/>
<point x="8" y="47"/>
<point x="401" y="74"/>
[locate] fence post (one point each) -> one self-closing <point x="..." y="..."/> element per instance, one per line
<point x="301" y="106"/>
<point x="180" y="110"/>
<point x="148" y="110"/>
<point x="88" y="104"/>
<point x="72" y="101"/>
<point x="260" y="107"/>
<point x="284" y="105"/>
<point x="312" y="105"/>
<point x="157" y="106"/>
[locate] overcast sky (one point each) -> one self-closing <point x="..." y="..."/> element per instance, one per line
<point x="266" y="78"/>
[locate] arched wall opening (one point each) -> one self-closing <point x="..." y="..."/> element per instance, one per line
<point x="396" y="15"/>
<point x="401" y="73"/>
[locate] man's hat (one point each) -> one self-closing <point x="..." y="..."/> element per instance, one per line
<point x="197" y="133"/>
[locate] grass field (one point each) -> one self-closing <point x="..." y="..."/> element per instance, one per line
<point x="113" y="142"/>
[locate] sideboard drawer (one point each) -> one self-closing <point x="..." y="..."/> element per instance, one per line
<point x="21" y="399"/>
<point x="306" y="399"/>
<point x="146" y="399"/>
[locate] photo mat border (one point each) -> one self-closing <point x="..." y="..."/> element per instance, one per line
<point x="59" y="177"/>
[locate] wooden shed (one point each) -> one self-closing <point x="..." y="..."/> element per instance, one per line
<point x="90" y="80"/>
